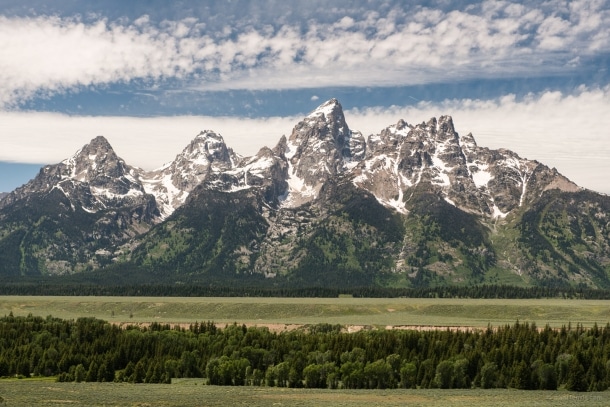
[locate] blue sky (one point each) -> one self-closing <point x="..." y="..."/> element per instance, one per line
<point x="150" y="75"/>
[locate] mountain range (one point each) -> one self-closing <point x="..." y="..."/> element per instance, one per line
<point x="414" y="205"/>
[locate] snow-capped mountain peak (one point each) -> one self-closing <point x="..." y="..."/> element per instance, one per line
<point x="95" y="159"/>
<point x="392" y="165"/>
<point x="320" y="147"/>
<point x="204" y="156"/>
<point x="477" y="180"/>
<point x="92" y="179"/>
<point x="328" y="110"/>
<point x="207" y="147"/>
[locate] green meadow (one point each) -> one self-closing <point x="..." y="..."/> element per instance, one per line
<point x="378" y="312"/>
<point x="193" y="393"/>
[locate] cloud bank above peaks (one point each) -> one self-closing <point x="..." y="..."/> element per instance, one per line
<point x="391" y="46"/>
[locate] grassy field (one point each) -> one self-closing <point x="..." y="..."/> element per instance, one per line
<point x="193" y="393"/>
<point x="378" y="312"/>
<point x="285" y="311"/>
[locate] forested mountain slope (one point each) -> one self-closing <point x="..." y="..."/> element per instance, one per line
<point x="414" y="205"/>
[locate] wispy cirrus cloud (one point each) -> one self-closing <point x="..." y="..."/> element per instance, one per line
<point x="47" y="55"/>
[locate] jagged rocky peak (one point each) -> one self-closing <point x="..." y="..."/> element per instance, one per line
<point x="95" y="165"/>
<point x="207" y="147"/>
<point x="206" y="152"/>
<point x="435" y="130"/>
<point x="94" y="160"/>
<point x="205" y="155"/>
<point x="265" y="169"/>
<point x="388" y="140"/>
<point x="99" y="143"/>
<point x="93" y="179"/>
<point x="445" y="125"/>
<point x="401" y="125"/>
<point x="330" y="111"/>
<point x="469" y="145"/>
<point x="320" y="147"/>
<point x="324" y="133"/>
<point x="96" y="178"/>
<point x="280" y="147"/>
<point x="326" y="122"/>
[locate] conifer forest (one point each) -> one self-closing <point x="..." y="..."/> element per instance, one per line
<point x="519" y="355"/>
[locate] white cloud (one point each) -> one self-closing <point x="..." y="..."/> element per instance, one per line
<point x="47" y="55"/>
<point x="48" y="138"/>
<point x="569" y="132"/>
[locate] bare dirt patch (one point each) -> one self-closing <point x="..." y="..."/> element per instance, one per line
<point x="456" y="328"/>
<point x="278" y="328"/>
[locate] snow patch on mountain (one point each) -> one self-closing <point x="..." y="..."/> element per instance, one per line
<point x="441" y="169"/>
<point x="326" y="109"/>
<point x="497" y="213"/>
<point x="481" y="176"/>
<point x="298" y="191"/>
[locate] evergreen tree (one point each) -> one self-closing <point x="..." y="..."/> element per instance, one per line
<point x="80" y="373"/>
<point x="139" y="373"/>
<point x="547" y="376"/>
<point x="576" y="380"/>
<point x="92" y="372"/>
<point x="521" y="377"/>
<point x="461" y="380"/>
<point x="489" y="375"/>
<point x="378" y="374"/>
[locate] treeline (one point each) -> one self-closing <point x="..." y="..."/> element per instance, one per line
<point x="51" y="287"/>
<point x="517" y="356"/>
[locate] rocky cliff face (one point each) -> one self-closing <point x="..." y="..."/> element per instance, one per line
<point x="405" y="158"/>
<point x="414" y="204"/>
<point x="94" y="177"/>
<point x="205" y="158"/>
<point x="320" y="147"/>
<point x="74" y="215"/>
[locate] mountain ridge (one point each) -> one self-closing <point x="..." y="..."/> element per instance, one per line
<point x="415" y="204"/>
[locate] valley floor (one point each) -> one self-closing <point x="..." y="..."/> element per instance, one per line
<point x="193" y="393"/>
<point x="284" y="313"/>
